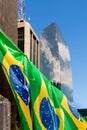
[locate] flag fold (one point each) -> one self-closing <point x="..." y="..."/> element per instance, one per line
<point x="41" y="105"/>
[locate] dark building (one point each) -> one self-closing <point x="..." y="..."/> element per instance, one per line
<point x="8" y="18"/>
<point x="83" y="112"/>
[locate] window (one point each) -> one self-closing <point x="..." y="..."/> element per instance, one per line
<point x="21" y="38"/>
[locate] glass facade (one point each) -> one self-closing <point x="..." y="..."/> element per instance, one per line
<point x="55" y="59"/>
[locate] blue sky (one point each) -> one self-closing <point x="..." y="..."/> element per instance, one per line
<point x="71" y="17"/>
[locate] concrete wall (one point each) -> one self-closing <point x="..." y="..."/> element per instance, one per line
<point x="8" y="18"/>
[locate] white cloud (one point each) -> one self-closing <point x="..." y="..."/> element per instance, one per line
<point x="52" y="60"/>
<point x="63" y="51"/>
<point x="66" y="77"/>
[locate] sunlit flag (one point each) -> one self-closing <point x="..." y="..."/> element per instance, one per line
<point x="33" y="92"/>
<point x="13" y="63"/>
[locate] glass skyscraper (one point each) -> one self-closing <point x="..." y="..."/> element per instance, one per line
<point x="55" y="59"/>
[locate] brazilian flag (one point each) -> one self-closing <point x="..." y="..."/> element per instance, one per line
<point x="50" y="108"/>
<point x="13" y="62"/>
<point x="40" y="104"/>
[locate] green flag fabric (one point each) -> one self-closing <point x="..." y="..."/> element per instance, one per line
<point x="41" y="105"/>
<point x="12" y="60"/>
